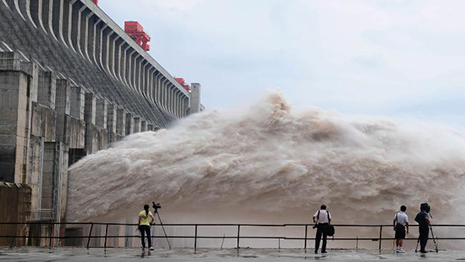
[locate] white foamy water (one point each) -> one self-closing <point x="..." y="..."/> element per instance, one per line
<point x="274" y="163"/>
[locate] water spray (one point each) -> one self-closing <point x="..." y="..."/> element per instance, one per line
<point x="273" y="161"/>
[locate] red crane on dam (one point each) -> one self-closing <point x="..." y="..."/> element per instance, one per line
<point x="183" y="83"/>
<point x="136" y="32"/>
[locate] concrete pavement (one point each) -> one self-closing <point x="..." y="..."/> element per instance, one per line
<point x="81" y="254"/>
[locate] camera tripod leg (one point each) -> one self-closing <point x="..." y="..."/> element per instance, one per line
<point x="163" y="228"/>
<point x="434" y="239"/>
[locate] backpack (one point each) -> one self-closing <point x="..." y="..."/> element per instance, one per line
<point x="331" y="231"/>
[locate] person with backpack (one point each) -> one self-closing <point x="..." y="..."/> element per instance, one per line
<point x="144" y="226"/>
<point x="400" y="224"/>
<point x="322" y="220"/>
<point x="423" y="220"/>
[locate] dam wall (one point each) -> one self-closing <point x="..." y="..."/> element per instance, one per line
<point x="72" y="82"/>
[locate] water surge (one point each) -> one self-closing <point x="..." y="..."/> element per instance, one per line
<point x="274" y="163"/>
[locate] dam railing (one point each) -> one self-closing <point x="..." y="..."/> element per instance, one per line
<point x="51" y="234"/>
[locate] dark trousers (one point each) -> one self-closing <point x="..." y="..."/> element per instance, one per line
<point x="145" y="230"/>
<point x="322" y="230"/>
<point x="424" y="233"/>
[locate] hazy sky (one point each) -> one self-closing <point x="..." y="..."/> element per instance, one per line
<point x="386" y="57"/>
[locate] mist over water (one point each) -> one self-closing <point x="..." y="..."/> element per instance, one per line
<point x="274" y="163"/>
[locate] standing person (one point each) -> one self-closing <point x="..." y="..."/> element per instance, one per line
<point x="423" y="220"/>
<point x="144" y="226"/>
<point x="400" y="224"/>
<point x="322" y="218"/>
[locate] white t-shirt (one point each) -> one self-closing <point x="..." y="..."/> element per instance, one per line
<point x="323" y="216"/>
<point x="401" y="218"/>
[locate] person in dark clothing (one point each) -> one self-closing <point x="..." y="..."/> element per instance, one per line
<point x="322" y="218"/>
<point x="423" y="220"/>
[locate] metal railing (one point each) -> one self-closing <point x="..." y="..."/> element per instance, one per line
<point x="196" y="236"/>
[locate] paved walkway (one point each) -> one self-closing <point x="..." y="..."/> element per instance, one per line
<point x="252" y="255"/>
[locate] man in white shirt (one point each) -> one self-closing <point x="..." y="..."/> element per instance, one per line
<point x="400" y="224"/>
<point x="322" y="218"/>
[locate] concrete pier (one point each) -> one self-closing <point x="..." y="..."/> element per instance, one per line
<point x="15" y="99"/>
<point x="111" y="123"/>
<point x="121" y="122"/>
<point x="137" y="124"/>
<point x="129" y="123"/>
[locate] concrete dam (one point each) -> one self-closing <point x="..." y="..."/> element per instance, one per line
<point x="71" y="83"/>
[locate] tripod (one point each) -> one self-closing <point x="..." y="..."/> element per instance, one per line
<point x="432" y="236"/>
<point x="155" y="210"/>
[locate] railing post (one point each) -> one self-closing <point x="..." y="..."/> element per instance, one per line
<point x="305" y="243"/>
<point x="27" y="225"/>
<point x="51" y="232"/>
<point x="195" y="238"/>
<point x="90" y="233"/>
<point x="380" y="236"/>
<point x="13" y="239"/>
<point x="106" y="234"/>
<point x="238" y="235"/>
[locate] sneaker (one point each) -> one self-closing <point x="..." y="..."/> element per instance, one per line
<point x="316" y="251"/>
<point x="423" y="251"/>
<point x="152" y="249"/>
<point x="401" y="250"/>
<point x="324" y="252"/>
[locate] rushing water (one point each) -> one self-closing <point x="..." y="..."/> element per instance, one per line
<point x="274" y="163"/>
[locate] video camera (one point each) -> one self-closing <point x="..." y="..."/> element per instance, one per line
<point x="156" y="206"/>
<point x="425" y="207"/>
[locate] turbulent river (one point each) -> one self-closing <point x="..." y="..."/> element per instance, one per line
<point x="274" y="163"/>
